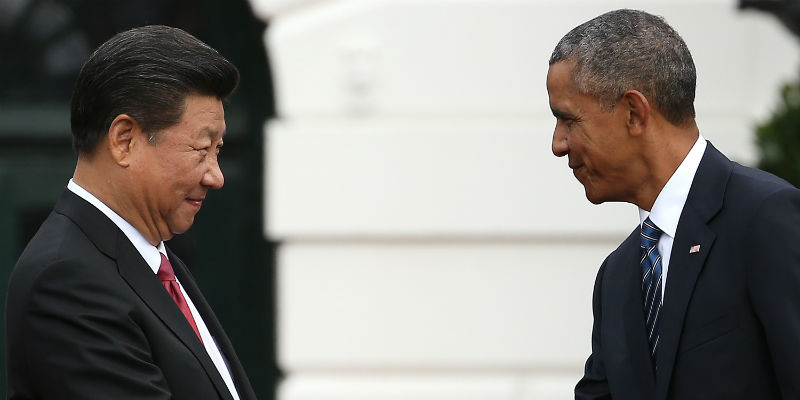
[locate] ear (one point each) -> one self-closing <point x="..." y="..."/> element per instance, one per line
<point x="638" y="112"/>
<point x="121" y="135"/>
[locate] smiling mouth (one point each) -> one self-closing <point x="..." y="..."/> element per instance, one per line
<point x="195" y="202"/>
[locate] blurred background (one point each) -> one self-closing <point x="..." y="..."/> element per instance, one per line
<point x="393" y="224"/>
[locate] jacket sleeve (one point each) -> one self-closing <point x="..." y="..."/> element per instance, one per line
<point x="78" y="338"/>
<point x="774" y="283"/>
<point x="594" y="384"/>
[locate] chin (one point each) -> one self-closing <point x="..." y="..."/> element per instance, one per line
<point x="178" y="229"/>
<point x="595" y="201"/>
<point x="594" y="198"/>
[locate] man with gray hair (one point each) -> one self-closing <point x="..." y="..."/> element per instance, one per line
<point x="702" y="300"/>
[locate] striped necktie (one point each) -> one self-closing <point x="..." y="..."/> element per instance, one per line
<point x="651" y="282"/>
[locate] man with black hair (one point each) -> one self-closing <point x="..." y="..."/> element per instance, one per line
<point x="98" y="307"/>
<point x="702" y="300"/>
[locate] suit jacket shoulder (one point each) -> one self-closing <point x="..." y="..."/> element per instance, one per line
<point x="87" y="318"/>
<point x="726" y="305"/>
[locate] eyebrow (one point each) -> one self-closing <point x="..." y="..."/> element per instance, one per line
<point x="562" y="114"/>
<point x="211" y="133"/>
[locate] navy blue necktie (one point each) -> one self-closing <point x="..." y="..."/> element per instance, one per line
<point x="651" y="282"/>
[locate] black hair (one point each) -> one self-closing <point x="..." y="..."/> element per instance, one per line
<point x="146" y="73"/>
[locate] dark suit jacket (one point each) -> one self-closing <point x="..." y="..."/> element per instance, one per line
<point x="86" y="318"/>
<point x="730" y="325"/>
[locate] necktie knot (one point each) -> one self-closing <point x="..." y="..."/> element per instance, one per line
<point x="650" y="233"/>
<point x="165" y="271"/>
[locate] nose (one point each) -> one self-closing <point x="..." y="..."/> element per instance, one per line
<point x="213" y="177"/>
<point x="560" y="144"/>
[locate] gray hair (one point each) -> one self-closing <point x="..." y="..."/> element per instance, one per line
<point x="632" y="50"/>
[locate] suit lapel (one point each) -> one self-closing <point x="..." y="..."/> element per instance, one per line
<point x="684" y="269"/>
<point x="141" y="279"/>
<point x="686" y="260"/>
<point x="215" y="328"/>
<point x="111" y="241"/>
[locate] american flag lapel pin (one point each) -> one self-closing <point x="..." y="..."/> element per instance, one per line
<point x="694" y="249"/>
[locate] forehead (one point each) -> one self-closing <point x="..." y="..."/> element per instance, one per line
<point x="564" y="94"/>
<point x="559" y="77"/>
<point x="561" y="88"/>
<point x="203" y="116"/>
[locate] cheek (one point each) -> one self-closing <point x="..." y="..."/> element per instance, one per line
<point x="187" y="170"/>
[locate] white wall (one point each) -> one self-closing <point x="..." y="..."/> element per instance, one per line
<point x="432" y="246"/>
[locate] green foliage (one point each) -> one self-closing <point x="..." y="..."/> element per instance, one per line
<point x="779" y="138"/>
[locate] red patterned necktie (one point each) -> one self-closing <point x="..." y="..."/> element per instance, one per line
<point x="167" y="276"/>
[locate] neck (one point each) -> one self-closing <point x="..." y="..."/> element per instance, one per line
<point x="666" y="151"/>
<point x="97" y="176"/>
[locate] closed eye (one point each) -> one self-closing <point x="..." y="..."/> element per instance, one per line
<point x="564" y="117"/>
<point x="567" y="122"/>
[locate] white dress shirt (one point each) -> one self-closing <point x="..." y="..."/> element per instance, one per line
<point x="666" y="211"/>
<point x="152" y="255"/>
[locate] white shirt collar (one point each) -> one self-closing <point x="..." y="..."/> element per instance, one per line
<point x="149" y="252"/>
<point x="666" y="211"/>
